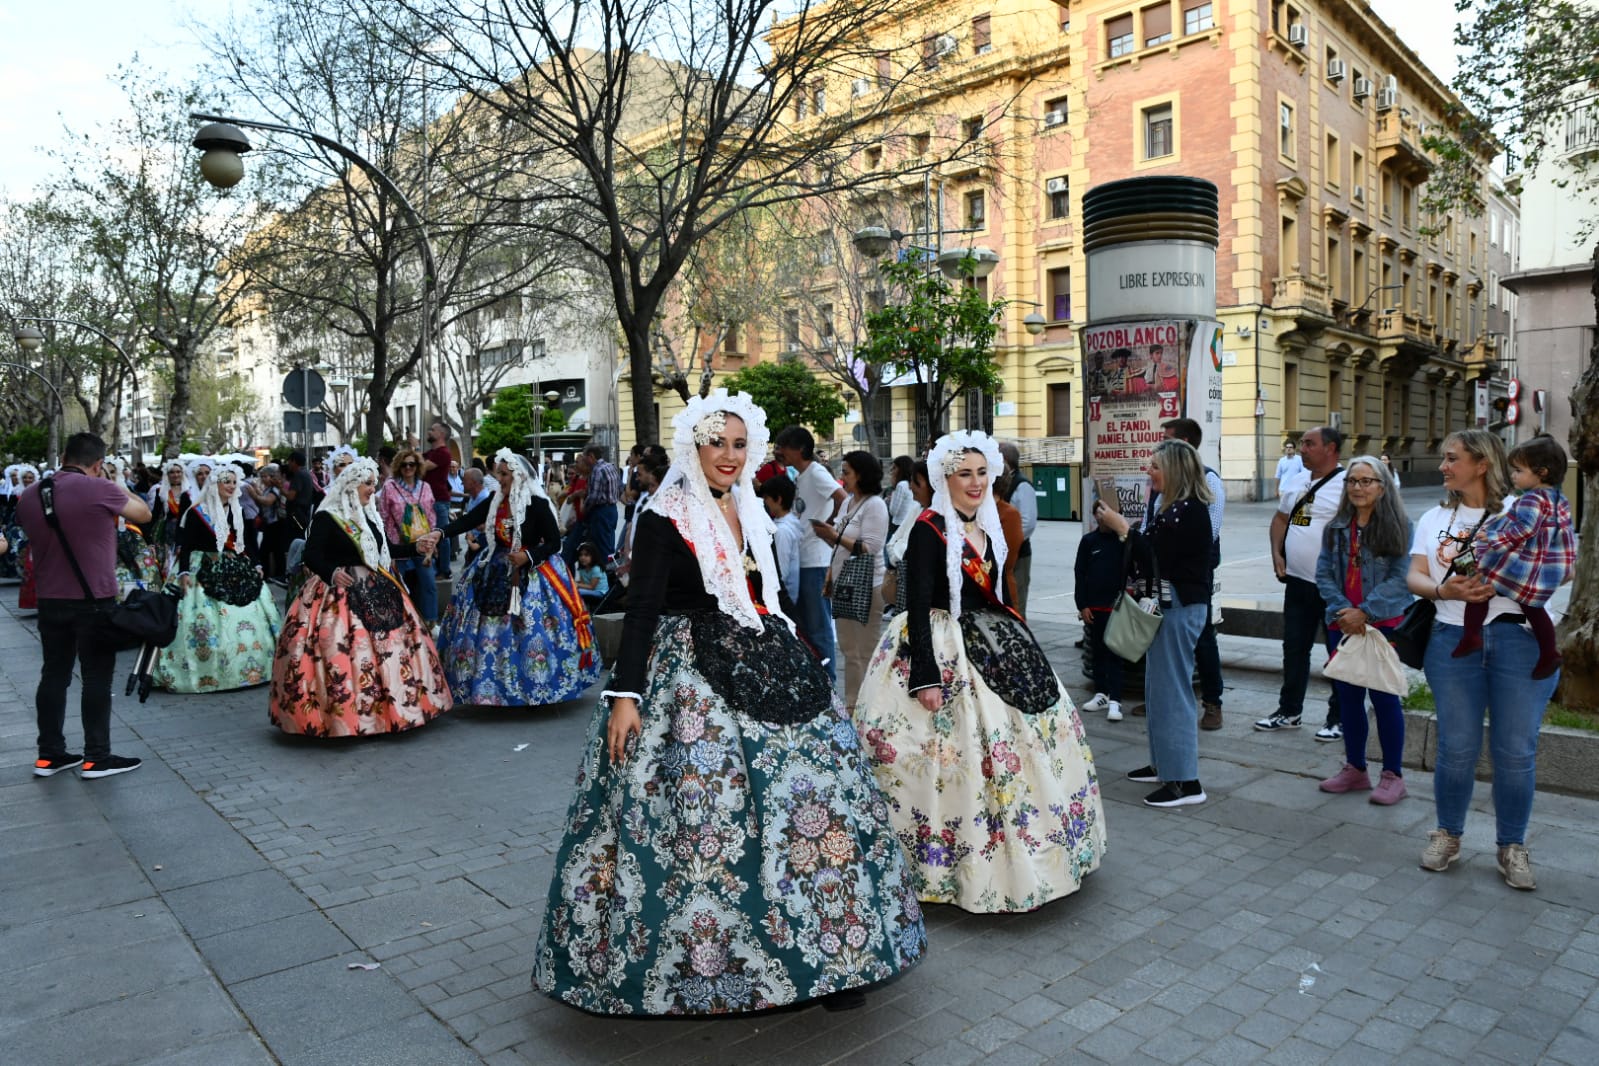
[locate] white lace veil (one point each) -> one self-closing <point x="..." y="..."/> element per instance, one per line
<point x="191" y="484"/>
<point x="344" y="503"/>
<point x="164" y="488"/>
<point x="6" y="488"/>
<point x="685" y="498"/>
<point x="524" y="486"/>
<point x="941" y="462"/>
<point x="223" y="517"/>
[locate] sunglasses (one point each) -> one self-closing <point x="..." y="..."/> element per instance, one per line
<point x="406" y="464"/>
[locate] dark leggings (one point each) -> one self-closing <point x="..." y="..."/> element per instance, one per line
<point x="1352" y="715"/>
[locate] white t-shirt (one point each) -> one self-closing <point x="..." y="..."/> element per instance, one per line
<point x="1287" y="467"/>
<point x="813" y="502"/>
<point x="1458" y="522"/>
<point x="1302" y="545"/>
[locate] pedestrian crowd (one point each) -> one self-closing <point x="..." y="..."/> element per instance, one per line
<point x="826" y="707"/>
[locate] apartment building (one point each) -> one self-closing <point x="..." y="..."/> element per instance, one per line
<point x="1342" y="301"/>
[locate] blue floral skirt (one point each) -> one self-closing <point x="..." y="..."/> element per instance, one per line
<point x="544" y="654"/>
<point x="729" y="865"/>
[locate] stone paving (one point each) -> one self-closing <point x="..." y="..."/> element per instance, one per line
<point x="209" y="909"/>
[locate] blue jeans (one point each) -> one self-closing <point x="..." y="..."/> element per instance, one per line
<point x="421" y="580"/>
<point x="441" y="561"/>
<point x="1352" y="713"/>
<point x="1304" y="622"/>
<point x="816" y="617"/>
<point x="1497" y="678"/>
<point x="1171" y="710"/>
<point x="602" y="530"/>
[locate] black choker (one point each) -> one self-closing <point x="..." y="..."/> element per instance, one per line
<point x="718" y="493"/>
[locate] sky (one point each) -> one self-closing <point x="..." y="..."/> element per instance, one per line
<point x="60" y="56"/>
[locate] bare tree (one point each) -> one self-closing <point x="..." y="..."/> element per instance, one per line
<point x="135" y="201"/>
<point x="339" y="265"/>
<point x="674" y="118"/>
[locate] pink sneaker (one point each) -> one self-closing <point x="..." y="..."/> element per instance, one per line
<point x="1390" y="790"/>
<point x="1348" y="779"/>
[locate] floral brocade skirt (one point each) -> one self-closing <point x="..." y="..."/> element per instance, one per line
<point x="145" y="571"/>
<point x="219" y="646"/>
<point x="999" y="810"/>
<point x="334" y="677"/>
<point x="729" y="864"/>
<point x="28" y="593"/>
<point x="535" y="657"/>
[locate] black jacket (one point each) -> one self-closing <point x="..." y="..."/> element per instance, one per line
<point x="1100" y="565"/>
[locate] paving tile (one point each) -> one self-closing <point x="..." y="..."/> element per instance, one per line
<point x="268" y="947"/>
<point x="236" y="902"/>
<point x="299" y="1009"/>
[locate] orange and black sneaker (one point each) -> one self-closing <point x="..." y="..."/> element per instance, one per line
<point x="43" y="767"/>
<point x="108" y="766"/>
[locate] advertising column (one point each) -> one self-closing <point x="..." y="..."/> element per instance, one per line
<point x="1152" y="344"/>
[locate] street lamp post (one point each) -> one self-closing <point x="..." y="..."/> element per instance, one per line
<point x="551" y="397"/>
<point x="30" y="339"/>
<point x="223" y="143"/>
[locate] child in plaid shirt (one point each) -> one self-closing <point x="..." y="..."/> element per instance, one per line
<point x="1527" y="552"/>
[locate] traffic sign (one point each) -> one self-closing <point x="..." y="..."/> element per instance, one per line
<point x="304" y="387"/>
<point x="294" y="421"/>
<point x="1512" y="412"/>
<point x="1513" y="389"/>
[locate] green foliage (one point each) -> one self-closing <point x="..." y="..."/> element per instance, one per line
<point x="508" y="422"/>
<point x="1527" y="73"/>
<point x="941" y="332"/>
<point x="280" y="452"/>
<point x="27" y="444"/>
<point x="790" y="395"/>
<point x="554" y="420"/>
<point x="1419" y="698"/>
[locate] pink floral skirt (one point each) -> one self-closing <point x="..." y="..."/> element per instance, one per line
<point x="334" y="677"/>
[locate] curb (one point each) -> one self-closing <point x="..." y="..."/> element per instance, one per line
<point x="1566" y="757"/>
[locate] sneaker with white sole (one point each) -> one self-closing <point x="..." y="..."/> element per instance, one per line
<point x="1100" y="702"/>
<point x="108" y="766"/>
<point x="1516" y="866"/>
<point x="43" y="767"/>
<point x="1176" y="794"/>
<point x="1144" y="775"/>
<point x="1443" y="848"/>
<point x="1329" y="733"/>
<point x="1113" y="713"/>
<point x="1277" y="722"/>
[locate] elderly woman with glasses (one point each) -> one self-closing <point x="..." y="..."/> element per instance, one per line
<point x="1361" y="576"/>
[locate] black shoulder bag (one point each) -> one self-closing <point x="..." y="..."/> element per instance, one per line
<point x="143" y="617"/>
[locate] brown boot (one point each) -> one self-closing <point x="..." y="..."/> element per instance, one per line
<point x="1136" y="710"/>
<point x="1211" y="719"/>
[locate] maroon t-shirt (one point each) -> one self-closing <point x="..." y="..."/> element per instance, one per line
<point x="88" y="508"/>
<point x="438" y="478"/>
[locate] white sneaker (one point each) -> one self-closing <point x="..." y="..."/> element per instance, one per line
<point x="1113" y="713"/>
<point x="1099" y="703"/>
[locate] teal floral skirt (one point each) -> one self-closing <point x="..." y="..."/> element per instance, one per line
<point x="219" y="646"/>
<point x="729" y="864"/>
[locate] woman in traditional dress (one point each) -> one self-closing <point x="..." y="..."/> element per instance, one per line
<point x="138" y="566"/>
<point x="726" y="850"/>
<point x="10" y="489"/>
<point x="168" y="502"/>
<point x="227" y="622"/>
<point x="973" y="739"/>
<point x="354" y="657"/>
<point x="28" y="593"/>
<point x="516" y="633"/>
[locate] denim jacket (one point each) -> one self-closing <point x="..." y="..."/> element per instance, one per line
<point x="1382" y="578"/>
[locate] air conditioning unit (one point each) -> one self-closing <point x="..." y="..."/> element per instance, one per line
<point x="1298" y="35"/>
<point x="860" y="86"/>
<point x="1362" y="88"/>
<point x="1336" y="69"/>
<point x="1054" y="118"/>
<point x="795" y="346"/>
<point x="1387" y="98"/>
<point x="1054" y="185"/>
<point x="1360" y="194"/>
<point x="944" y="44"/>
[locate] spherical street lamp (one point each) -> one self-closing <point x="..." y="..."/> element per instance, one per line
<point x="28" y="338"/>
<point x="952" y="262"/>
<point x="1035" y="323"/>
<point x="874" y="241"/>
<point x="223" y="144"/>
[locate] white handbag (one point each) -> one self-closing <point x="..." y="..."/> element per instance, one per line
<point x="1367" y="660"/>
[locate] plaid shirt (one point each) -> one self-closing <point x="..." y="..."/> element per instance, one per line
<point x="1528" y="551"/>
<point x="605" y="486"/>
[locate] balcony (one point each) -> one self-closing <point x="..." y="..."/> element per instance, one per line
<point x="1398" y="144"/>
<point x="1582" y="131"/>
<point x="974" y="161"/>
<point x="1482" y="357"/>
<point x="1302" y="291"/>
<point x="1395" y="327"/>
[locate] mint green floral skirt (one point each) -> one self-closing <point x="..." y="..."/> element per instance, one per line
<point x="219" y="646"/>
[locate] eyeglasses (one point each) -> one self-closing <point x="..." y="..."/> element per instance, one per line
<point x="1363" y="482"/>
<point x="406" y="464"/>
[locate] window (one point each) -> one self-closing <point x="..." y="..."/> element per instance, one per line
<point x="1330" y="161"/>
<point x="874" y="158"/>
<point x="1493" y="288"/>
<point x="1356" y="78"/>
<point x="1285" y="130"/>
<point x="1493" y="229"/>
<point x="1357" y="274"/>
<point x="885" y="70"/>
<point x="1060" y="294"/>
<point x="1158" y="139"/>
<point x="930" y="52"/>
<point x="920" y="142"/>
<point x="975" y="210"/>
<point x="824" y="251"/>
<point x="982" y="40"/>
<point x="1056" y="110"/>
<point x="1288" y="252"/>
<point x="505" y="307"/>
<point x="818" y="97"/>
<point x="1119" y="36"/>
<point x="980" y="284"/>
<point x="1335" y="392"/>
<point x="1157" y="24"/>
<point x="1407" y="206"/>
<point x="972" y="128"/>
<point x="730" y="338"/>
<point x="1197" y="16"/>
<point x="1060" y="199"/>
<point x="1290" y="395"/>
<point x="1359" y="404"/>
<point x="824" y="325"/>
<point x="1357" y="168"/>
<point x="791" y="329"/>
<point x="1060" y="410"/>
<point x="1387" y="195"/>
<point x="1335" y="269"/>
<point x="801" y="107"/>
